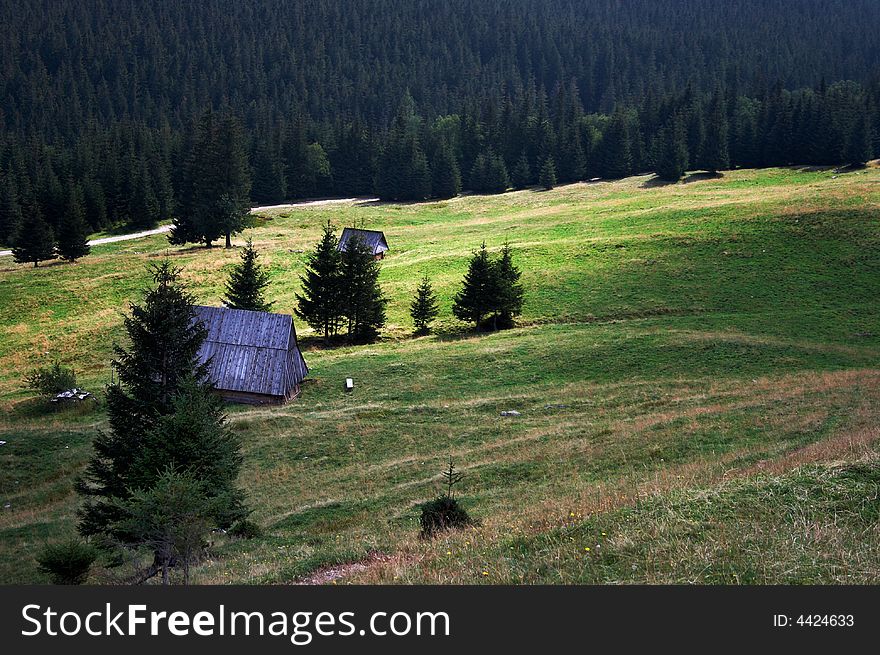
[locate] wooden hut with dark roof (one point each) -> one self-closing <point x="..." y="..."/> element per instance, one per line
<point x="253" y="356"/>
<point x="374" y="239"/>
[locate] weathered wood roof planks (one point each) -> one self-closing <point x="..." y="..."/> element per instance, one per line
<point x="251" y="352"/>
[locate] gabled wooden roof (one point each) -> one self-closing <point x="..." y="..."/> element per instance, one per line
<point x="374" y="239"/>
<point x="252" y="352"/>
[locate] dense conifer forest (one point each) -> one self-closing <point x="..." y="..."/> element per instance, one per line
<point x="101" y="102"/>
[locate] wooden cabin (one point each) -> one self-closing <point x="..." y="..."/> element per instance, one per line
<point x="375" y="240"/>
<point x="253" y="356"/>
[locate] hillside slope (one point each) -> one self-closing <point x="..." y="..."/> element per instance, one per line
<point x="673" y="336"/>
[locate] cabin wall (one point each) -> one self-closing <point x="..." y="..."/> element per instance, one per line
<point x="246" y="398"/>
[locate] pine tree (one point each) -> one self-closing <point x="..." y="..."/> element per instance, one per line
<point x="320" y="304"/>
<point x="172" y="518"/>
<point x="10" y="209"/>
<point x="509" y="299"/>
<point x="672" y="157"/>
<point x="477" y="297"/>
<point x="423" y="308"/>
<point x="522" y="173"/>
<point x="33" y="241"/>
<point x="497" y="179"/>
<point x="247" y="283"/>
<point x="548" y="174"/>
<point x="477" y="180"/>
<point x="216" y="184"/>
<point x="144" y="209"/>
<point x="363" y="304"/>
<point x="858" y="147"/>
<point x="73" y="234"/>
<point x="160" y="411"/>
<point x="714" y="156"/>
<point x="268" y="179"/>
<point x="233" y="172"/>
<point x="616" y="147"/>
<point x="194" y="438"/>
<point x="446" y="177"/>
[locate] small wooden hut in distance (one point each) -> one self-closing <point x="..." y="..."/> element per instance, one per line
<point x="374" y="239"/>
<point x="254" y="357"/>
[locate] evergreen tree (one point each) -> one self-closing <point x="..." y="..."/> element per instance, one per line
<point x="172" y="518"/>
<point x="497" y="180"/>
<point x="859" y="146"/>
<point x="522" y="173"/>
<point x="194" y="438"/>
<point x="162" y="356"/>
<point x="509" y="299"/>
<point x="477" y="297"/>
<point x="144" y="209"/>
<point x="247" y="283"/>
<point x="547" y="177"/>
<point x="489" y="174"/>
<point x="404" y="173"/>
<point x="363" y="304"/>
<point x="714" y="156"/>
<point x="423" y="308"/>
<point x="233" y="172"/>
<point x="320" y="303"/>
<point x="617" y="147"/>
<point x="10" y="209"/>
<point x="33" y="241"/>
<point x="477" y="180"/>
<point x="672" y="158"/>
<point x="446" y="177"/>
<point x="269" y="185"/>
<point x="216" y="184"/>
<point x="73" y="234"/>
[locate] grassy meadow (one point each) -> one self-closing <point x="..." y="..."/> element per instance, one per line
<point x="697" y="370"/>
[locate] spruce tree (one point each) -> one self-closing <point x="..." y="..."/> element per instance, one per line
<point x="497" y="179"/>
<point x="714" y="156"/>
<point x="73" y="234"/>
<point x="320" y="303"/>
<point x="477" y="180"/>
<point x="247" y="283"/>
<point x="477" y="297"/>
<point x="33" y="241"/>
<point x="10" y="209"/>
<point x="231" y="167"/>
<point x="858" y="146"/>
<point x="423" y="308"/>
<point x="216" y="184"/>
<point x="616" y="147"/>
<point x="363" y="304"/>
<point x="163" y="414"/>
<point x="548" y="174"/>
<point x="509" y="299"/>
<point x="521" y="175"/>
<point x="446" y="177"/>
<point x="672" y="157"/>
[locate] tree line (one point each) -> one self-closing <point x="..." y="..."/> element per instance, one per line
<point x="500" y="144"/>
<point x="334" y="99"/>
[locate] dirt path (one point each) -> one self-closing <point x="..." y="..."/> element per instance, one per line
<point x="167" y="228"/>
<point x="330" y="574"/>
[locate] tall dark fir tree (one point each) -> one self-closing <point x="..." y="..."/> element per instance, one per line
<point x="162" y="412"/>
<point x="510" y="295"/>
<point x="363" y="303"/>
<point x="320" y="304"/>
<point x="33" y="241"/>
<point x="478" y="295"/>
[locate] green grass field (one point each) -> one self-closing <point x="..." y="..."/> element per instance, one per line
<point x="697" y="370"/>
